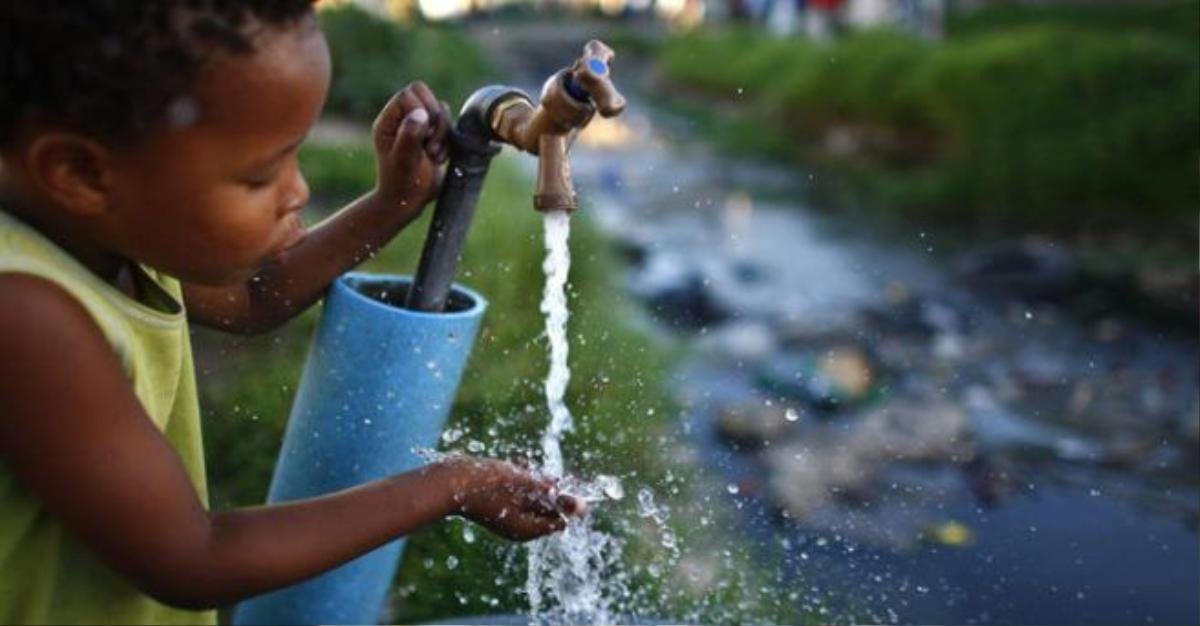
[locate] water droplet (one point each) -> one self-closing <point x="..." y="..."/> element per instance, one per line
<point x="468" y="534"/>
<point x="451" y="562"/>
<point x="646" y="507"/>
<point x="475" y="446"/>
<point x="611" y="486"/>
<point x="791" y="415"/>
<point x="732" y="488"/>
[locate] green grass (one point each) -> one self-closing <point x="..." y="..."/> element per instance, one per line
<point x="374" y="58"/>
<point x="1173" y="18"/>
<point x="1023" y="124"/>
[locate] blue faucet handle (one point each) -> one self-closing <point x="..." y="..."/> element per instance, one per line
<point x="591" y="75"/>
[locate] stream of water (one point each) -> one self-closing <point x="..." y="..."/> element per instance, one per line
<point x="572" y="576"/>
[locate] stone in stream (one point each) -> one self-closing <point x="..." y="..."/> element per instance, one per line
<point x="674" y="289"/>
<point x="807" y="475"/>
<point x="1032" y="267"/>
<point x="755" y="424"/>
<point x="746" y="341"/>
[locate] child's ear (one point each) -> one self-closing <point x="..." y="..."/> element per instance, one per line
<point x="71" y="169"/>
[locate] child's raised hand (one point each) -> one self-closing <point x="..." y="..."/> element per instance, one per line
<point x="510" y="500"/>
<point x="410" y="136"/>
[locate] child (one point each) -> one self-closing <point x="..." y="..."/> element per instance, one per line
<point x="149" y="175"/>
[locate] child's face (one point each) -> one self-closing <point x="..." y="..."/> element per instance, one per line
<point x="212" y="198"/>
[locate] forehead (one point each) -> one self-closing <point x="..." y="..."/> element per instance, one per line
<point x="274" y="93"/>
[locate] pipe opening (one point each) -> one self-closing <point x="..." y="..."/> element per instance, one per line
<point x="394" y="293"/>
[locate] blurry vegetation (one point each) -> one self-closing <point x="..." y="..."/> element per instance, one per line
<point x="374" y="58"/>
<point x="1023" y="118"/>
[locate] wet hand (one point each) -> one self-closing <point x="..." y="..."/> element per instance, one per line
<point x="410" y="137"/>
<point x="510" y="500"/>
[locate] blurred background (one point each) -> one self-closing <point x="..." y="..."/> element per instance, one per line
<point x="886" y="308"/>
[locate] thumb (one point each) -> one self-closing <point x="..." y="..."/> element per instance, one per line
<point x="411" y="135"/>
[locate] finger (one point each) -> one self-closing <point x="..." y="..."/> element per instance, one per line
<point x="438" y="116"/>
<point x="570" y="505"/>
<point x="534" y="527"/>
<point x="444" y="135"/>
<point x="430" y="102"/>
<point x="387" y="123"/>
<point x="541" y="504"/>
<point x="411" y="134"/>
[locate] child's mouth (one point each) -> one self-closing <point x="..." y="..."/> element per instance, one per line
<point x="294" y="237"/>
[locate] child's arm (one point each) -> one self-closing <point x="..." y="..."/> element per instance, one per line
<point x="75" y="436"/>
<point x="408" y="154"/>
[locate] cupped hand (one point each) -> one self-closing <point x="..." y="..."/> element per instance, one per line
<point x="510" y="500"/>
<point x="410" y="136"/>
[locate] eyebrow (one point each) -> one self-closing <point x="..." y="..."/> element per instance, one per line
<point x="278" y="154"/>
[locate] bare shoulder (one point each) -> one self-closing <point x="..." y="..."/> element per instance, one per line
<point x="38" y="314"/>
<point x="51" y="346"/>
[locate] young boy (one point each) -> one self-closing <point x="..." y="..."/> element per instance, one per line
<point x="149" y="175"/>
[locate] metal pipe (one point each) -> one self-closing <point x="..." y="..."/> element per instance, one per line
<point x="471" y="151"/>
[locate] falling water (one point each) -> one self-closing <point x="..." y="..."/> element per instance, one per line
<point x="554" y="306"/>
<point x="570" y="574"/>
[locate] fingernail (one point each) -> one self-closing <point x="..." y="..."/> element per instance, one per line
<point x="420" y="116"/>
<point x="569" y="505"/>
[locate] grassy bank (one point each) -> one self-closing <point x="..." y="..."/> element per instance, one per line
<point x="1018" y="121"/>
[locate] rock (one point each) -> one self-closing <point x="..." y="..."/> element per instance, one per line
<point x="802" y="479"/>
<point x="908" y="430"/>
<point x="1032" y="267"/>
<point x="994" y="428"/>
<point x="741" y="341"/>
<point x="689" y="304"/>
<point x="753" y="424"/>
<point x="846" y="463"/>
<point x="1173" y="289"/>
<point x="990" y="478"/>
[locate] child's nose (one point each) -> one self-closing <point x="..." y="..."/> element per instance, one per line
<point x="297" y="195"/>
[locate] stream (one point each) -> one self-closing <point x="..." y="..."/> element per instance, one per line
<point x="912" y="435"/>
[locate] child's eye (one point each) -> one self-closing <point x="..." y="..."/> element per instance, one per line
<point x="260" y="181"/>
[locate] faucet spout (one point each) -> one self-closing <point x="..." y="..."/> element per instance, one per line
<point x="499" y="114"/>
<point x="570" y="99"/>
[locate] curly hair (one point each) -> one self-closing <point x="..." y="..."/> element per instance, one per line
<point x="112" y="68"/>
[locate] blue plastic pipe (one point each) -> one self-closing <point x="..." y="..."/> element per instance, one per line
<point x="379" y="382"/>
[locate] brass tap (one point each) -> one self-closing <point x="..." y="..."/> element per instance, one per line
<point x="569" y="100"/>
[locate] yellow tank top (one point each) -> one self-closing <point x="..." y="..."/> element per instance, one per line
<point x="45" y="575"/>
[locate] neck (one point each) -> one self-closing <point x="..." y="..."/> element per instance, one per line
<point x="64" y="230"/>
